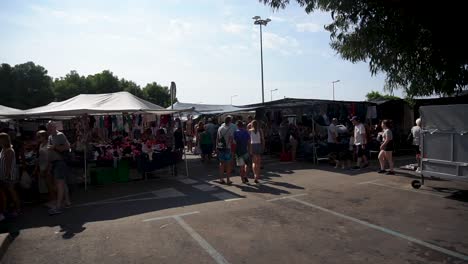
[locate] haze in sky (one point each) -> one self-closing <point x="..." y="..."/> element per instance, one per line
<point x="210" y="48"/>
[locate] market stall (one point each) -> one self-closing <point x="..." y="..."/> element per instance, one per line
<point x="107" y="128"/>
<point x="309" y="120"/>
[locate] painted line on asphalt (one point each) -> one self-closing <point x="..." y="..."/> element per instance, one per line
<point x="287" y="197"/>
<point x="408" y="190"/>
<point x="126" y="196"/>
<point x="170" y="216"/>
<point x="385" y="230"/>
<point x="217" y="257"/>
<point x="367" y="182"/>
<point x="233" y="199"/>
<point x="115" y="202"/>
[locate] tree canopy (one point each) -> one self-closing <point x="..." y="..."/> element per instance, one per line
<point x="417" y="44"/>
<point x="375" y="95"/>
<point x="27" y="85"/>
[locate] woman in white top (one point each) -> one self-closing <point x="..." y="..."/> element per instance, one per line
<point x="8" y="173"/>
<point x="43" y="165"/>
<point x="386" y="149"/>
<point x="257" y="144"/>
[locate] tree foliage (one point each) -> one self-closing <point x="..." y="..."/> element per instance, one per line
<point x="418" y="44"/>
<point x="28" y="85"/>
<point x="157" y="94"/>
<point x="24" y="85"/>
<point x="375" y="95"/>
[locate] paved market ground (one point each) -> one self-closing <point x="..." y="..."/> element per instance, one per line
<point x="301" y="213"/>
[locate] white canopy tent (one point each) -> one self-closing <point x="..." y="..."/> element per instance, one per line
<point x="6" y="111"/>
<point x="97" y="104"/>
<point x="209" y="109"/>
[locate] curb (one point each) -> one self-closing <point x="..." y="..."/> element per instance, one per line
<point x="5" y="241"/>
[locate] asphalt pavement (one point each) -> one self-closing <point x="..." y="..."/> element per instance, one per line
<point x="300" y="213"/>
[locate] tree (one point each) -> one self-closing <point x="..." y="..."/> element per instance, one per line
<point x="25" y="85"/>
<point x="104" y="82"/>
<point x="375" y="95"/>
<point x="131" y="87"/>
<point x="157" y="94"/>
<point x="419" y="53"/>
<point x="6" y="85"/>
<point x="69" y="86"/>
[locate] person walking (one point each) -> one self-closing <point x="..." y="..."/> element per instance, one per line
<point x="223" y="145"/>
<point x="332" y="142"/>
<point x="206" y="144"/>
<point x="189" y="132"/>
<point x="386" y="149"/>
<point x="249" y="122"/>
<point x="415" y="137"/>
<point x="59" y="149"/>
<point x="242" y="139"/>
<point x="257" y="144"/>
<point x="360" y="142"/>
<point x="43" y="166"/>
<point x="8" y="171"/>
<point x="210" y="127"/>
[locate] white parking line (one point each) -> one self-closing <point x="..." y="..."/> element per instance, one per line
<point x="170" y="216"/>
<point x="202" y="242"/>
<point x="286" y="197"/>
<point x="403" y="189"/>
<point x="233" y="199"/>
<point x="217" y="257"/>
<point x="367" y="182"/>
<point x="385" y="230"/>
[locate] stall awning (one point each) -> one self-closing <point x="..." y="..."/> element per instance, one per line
<point x="6" y="111"/>
<point x="97" y="104"/>
<point x="209" y="109"/>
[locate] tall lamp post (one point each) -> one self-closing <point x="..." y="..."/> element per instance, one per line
<point x="271" y="91"/>
<point x="333" y="84"/>
<point x="261" y="22"/>
<point x="232" y="96"/>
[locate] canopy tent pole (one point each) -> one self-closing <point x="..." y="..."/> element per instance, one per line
<point x="85" y="168"/>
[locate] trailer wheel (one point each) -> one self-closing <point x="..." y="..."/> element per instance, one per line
<point x="416" y="184"/>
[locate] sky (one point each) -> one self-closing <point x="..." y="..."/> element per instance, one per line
<point x="210" y="48"/>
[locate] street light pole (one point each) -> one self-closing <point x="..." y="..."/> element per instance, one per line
<point x="261" y="22"/>
<point x="261" y="63"/>
<point x="232" y="96"/>
<point x="271" y="91"/>
<point x="333" y="84"/>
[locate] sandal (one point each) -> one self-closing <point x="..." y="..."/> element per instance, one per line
<point x="229" y="182"/>
<point x="222" y="182"/>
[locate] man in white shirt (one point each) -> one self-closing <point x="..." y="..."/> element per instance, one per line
<point x="360" y="142"/>
<point x="332" y="139"/>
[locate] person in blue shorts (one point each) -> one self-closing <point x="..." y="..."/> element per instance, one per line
<point x="224" y="140"/>
<point x="242" y="139"/>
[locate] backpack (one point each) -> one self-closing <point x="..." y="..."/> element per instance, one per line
<point x="222" y="144"/>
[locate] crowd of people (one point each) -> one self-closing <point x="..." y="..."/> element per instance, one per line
<point x="26" y="165"/>
<point x="242" y="143"/>
<point x="353" y="142"/>
<point x="44" y="159"/>
<point x="234" y="143"/>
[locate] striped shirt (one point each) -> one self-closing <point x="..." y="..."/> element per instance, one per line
<point x="4" y="175"/>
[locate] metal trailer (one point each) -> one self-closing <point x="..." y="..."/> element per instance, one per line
<point x="444" y="143"/>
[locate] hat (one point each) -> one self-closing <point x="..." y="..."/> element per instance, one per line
<point x="355" y="118"/>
